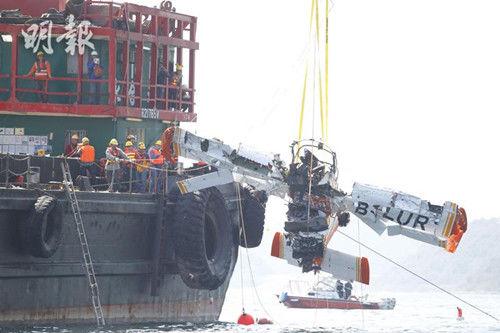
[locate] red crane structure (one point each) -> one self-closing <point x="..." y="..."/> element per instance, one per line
<point x="126" y="33"/>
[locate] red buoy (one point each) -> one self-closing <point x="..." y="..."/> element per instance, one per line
<point x="245" y="319"/>
<point x="459" y="315"/>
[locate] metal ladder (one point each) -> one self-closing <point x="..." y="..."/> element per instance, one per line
<point x="89" y="267"/>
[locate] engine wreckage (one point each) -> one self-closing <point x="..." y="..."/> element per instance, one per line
<point x="317" y="207"/>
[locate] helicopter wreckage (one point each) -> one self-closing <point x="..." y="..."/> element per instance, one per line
<point x="317" y="207"/>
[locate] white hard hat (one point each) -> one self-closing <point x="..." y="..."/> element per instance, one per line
<point x="94" y="53"/>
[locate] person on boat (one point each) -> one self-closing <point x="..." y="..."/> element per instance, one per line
<point x="347" y="289"/>
<point x="162" y="78"/>
<point x="71" y="149"/>
<point x="158" y="164"/>
<point x="113" y="157"/>
<point x="132" y="138"/>
<point x="129" y="170"/>
<point x="186" y="98"/>
<point x="95" y="71"/>
<point x="41" y="73"/>
<point x="340" y="289"/>
<point x="87" y="158"/>
<point x="175" y="83"/>
<point x="142" y="168"/>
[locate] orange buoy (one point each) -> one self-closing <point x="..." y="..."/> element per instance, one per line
<point x="264" y="321"/>
<point x="459" y="314"/>
<point x="245" y="319"/>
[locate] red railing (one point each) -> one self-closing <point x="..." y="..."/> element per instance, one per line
<point x="164" y="29"/>
<point x="79" y="93"/>
<point x="4" y="76"/>
<point x="175" y="97"/>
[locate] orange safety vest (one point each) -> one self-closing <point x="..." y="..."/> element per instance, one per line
<point x="160" y="159"/>
<point x="42" y="71"/>
<point x="131" y="153"/>
<point x="87" y="154"/>
<point x="142" y="162"/>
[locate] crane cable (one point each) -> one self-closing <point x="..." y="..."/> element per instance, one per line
<point x="321" y="111"/>
<point x="242" y="227"/>
<point x="419" y="276"/>
<point x="240" y="257"/>
<point x="361" y="285"/>
<point x="323" y="105"/>
<point x="327" y="13"/>
<point x="304" y="87"/>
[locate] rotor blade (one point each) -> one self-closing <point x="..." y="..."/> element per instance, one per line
<point x="205" y="181"/>
<point x="340" y="265"/>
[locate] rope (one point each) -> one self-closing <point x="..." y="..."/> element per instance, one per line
<point x="361" y="285"/>
<point x="327" y="12"/>
<point x="242" y="224"/>
<point x="420" y="277"/>
<point x="312" y="129"/>
<point x="15" y="159"/>
<point x="240" y="255"/>
<point x="17" y="174"/>
<point x="317" y="301"/>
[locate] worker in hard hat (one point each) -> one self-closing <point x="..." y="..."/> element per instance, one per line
<point x="142" y="167"/>
<point x="174" y="91"/>
<point x="71" y="149"/>
<point x="157" y="168"/>
<point x="41" y="73"/>
<point x="87" y="158"/>
<point x="129" y="176"/>
<point x="132" y="138"/>
<point x="113" y="157"/>
<point x="95" y="72"/>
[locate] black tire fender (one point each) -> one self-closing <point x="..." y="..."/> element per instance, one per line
<point x="254" y="214"/>
<point x="42" y="230"/>
<point x="204" y="244"/>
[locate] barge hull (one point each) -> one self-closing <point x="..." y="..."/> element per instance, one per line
<point x="136" y="271"/>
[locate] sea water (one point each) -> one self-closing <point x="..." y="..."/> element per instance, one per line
<point x="414" y="313"/>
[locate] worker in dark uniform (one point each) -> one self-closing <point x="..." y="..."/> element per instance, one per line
<point x="162" y="78"/>
<point x="348" y="289"/>
<point x="340" y="289"/>
<point x="95" y="71"/>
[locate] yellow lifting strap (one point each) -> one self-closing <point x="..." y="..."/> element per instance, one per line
<point x="304" y="88"/>
<point x="321" y="111"/>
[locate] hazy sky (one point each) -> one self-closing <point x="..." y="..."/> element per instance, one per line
<point x="413" y="94"/>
